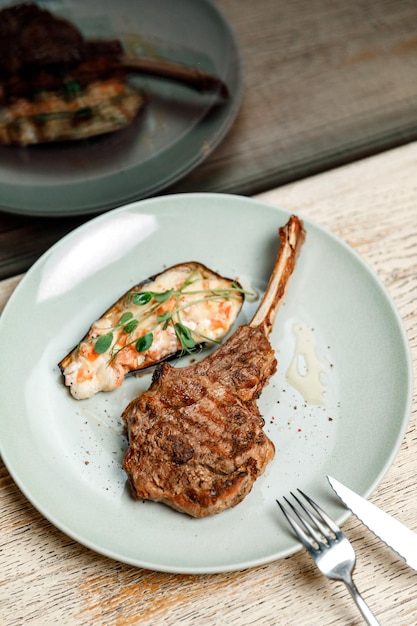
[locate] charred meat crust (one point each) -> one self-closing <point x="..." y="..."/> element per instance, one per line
<point x="210" y="442"/>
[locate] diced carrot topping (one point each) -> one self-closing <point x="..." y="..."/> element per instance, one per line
<point x="86" y="350"/>
<point x="225" y="308"/>
<point x="169" y="305"/>
<point x="84" y="373"/>
<point x="127" y="356"/>
<point x="215" y="324"/>
<point x="122" y="340"/>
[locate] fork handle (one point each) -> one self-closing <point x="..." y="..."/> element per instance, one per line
<point x="367" y="614"/>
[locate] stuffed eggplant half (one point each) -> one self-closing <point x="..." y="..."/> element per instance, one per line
<point x="176" y="312"/>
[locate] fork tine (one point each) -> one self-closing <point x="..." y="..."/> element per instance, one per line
<point x="322" y="514"/>
<point x="312" y="525"/>
<point x="298" y="530"/>
<point x="315" y="517"/>
<point x="307" y="520"/>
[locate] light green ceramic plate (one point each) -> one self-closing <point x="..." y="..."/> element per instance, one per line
<point x="179" y="129"/>
<point x="66" y="455"/>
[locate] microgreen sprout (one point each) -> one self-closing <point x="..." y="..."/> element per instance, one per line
<point x="149" y="303"/>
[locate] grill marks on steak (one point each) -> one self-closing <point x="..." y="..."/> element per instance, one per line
<point x="196" y="439"/>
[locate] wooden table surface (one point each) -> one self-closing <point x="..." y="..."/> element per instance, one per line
<point x="326" y="129"/>
<point x="326" y="83"/>
<point x="47" y="578"/>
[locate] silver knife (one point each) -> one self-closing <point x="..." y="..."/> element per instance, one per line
<point x="392" y="532"/>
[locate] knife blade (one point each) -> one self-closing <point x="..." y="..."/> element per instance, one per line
<point x="392" y="532"/>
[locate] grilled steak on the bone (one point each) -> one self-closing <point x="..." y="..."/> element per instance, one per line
<point x="196" y="439"/>
<point x="55" y="85"/>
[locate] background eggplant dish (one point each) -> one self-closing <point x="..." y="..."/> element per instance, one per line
<point x="55" y="85"/>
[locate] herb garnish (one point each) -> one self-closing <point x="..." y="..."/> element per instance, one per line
<point x="149" y="303"/>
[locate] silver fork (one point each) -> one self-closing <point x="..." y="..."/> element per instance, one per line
<point x="328" y="546"/>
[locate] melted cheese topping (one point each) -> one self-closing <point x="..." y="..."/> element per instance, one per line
<point x="207" y="317"/>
